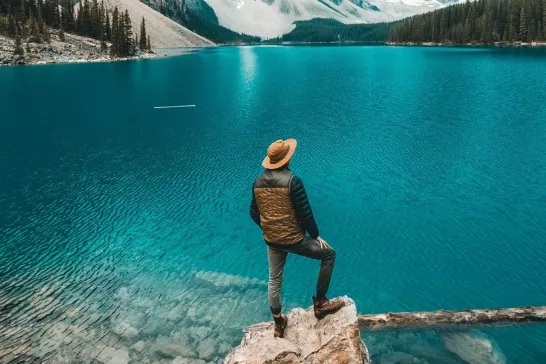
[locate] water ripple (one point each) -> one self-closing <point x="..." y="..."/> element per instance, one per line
<point x="125" y="234"/>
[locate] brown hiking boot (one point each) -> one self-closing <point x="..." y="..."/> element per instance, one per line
<point x="325" y="307"/>
<point x="280" y="326"/>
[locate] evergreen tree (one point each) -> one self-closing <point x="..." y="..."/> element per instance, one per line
<point x="61" y="32"/>
<point x="56" y="14"/>
<point x="522" y="26"/>
<point x="544" y="19"/>
<point x="107" y="28"/>
<point x="433" y="37"/>
<point x="95" y="25"/>
<point x="67" y="14"/>
<point x="114" y="49"/>
<point x="45" y="33"/>
<point x="143" y="36"/>
<point x="3" y="25"/>
<point x="18" y="47"/>
<point x="79" y="19"/>
<point x="101" y="28"/>
<point x="122" y="44"/>
<point x="103" y="45"/>
<point x="467" y="32"/>
<point x="86" y="19"/>
<point x="39" y="19"/>
<point x="511" y="25"/>
<point x="129" y="48"/>
<point x="34" y="31"/>
<point x="22" y="16"/>
<point x="149" y="44"/>
<point x="12" y="27"/>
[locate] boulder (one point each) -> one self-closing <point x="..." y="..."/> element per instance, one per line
<point x="110" y="355"/>
<point x="169" y="348"/>
<point x="5" y="59"/>
<point x="125" y="330"/>
<point x="206" y="348"/>
<point x="18" y="59"/>
<point x="140" y="346"/>
<point x="332" y="340"/>
<point x="181" y="360"/>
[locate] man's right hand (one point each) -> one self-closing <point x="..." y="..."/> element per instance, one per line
<point x="323" y="244"/>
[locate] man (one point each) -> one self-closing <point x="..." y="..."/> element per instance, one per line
<point x="281" y="208"/>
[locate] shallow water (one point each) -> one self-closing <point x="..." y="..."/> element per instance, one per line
<point x="125" y="232"/>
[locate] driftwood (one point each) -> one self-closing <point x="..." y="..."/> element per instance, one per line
<point x="442" y="320"/>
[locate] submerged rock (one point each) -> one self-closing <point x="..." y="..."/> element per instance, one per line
<point x="227" y="280"/>
<point x="125" y="330"/>
<point x="181" y="360"/>
<point x="110" y="355"/>
<point x="206" y="348"/>
<point x="333" y="340"/>
<point x="473" y="347"/>
<point x="140" y="346"/>
<point x="397" y="357"/>
<point x="167" y="347"/>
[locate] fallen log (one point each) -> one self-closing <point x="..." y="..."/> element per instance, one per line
<point x="442" y="320"/>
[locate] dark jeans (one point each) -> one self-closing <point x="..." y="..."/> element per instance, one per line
<point x="309" y="248"/>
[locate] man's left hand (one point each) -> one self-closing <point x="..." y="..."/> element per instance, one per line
<point x="323" y="244"/>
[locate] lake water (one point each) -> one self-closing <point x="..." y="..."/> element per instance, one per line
<point x="121" y="224"/>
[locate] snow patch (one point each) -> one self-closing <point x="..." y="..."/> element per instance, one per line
<point x="270" y="19"/>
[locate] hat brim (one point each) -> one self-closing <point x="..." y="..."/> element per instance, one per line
<point x="268" y="165"/>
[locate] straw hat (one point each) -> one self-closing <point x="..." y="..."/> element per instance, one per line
<point x="279" y="153"/>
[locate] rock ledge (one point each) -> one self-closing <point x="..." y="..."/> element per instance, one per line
<point x="333" y="340"/>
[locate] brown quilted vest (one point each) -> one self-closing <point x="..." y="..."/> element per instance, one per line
<point x="277" y="216"/>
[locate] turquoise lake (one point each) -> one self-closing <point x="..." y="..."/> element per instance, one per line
<point x="123" y="224"/>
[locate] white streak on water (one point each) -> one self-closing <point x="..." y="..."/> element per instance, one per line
<point x="172" y="107"/>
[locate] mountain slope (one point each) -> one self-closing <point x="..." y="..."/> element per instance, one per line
<point x="200" y="18"/>
<point x="272" y="18"/>
<point x="163" y="31"/>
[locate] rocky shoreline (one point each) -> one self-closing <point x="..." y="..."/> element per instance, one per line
<point x="449" y="44"/>
<point x="74" y="49"/>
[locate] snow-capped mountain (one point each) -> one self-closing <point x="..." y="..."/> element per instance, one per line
<point x="271" y="18"/>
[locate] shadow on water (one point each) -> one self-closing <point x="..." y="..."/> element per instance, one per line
<point x="522" y="53"/>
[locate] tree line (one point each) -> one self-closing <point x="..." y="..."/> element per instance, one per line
<point x="32" y="20"/>
<point x="330" y="30"/>
<point x="478" y="22"/>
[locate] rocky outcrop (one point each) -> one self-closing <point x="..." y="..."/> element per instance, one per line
<point x="333" y="340"/>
